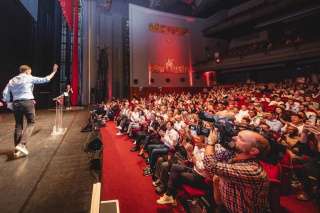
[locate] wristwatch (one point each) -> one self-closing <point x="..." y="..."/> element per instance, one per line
<point x="210" y="143"/>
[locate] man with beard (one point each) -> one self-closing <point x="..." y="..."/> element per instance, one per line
<point x="243" y="184"/>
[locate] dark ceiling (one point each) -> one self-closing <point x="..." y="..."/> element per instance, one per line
<point x="195" y="8"/>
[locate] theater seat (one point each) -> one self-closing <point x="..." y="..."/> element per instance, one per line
<point x="206" y="194"/>
<point x="135" y="131"/>
<point x="276" y="135"/>
<point x="274" y="173"/>
<point x="193" y="192"/>
<point x="286" y="167"/>
<point x="270" y="108"/>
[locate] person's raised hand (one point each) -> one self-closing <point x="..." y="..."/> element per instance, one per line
<point x="189" y="147"/>
<point x="213" y="137"/>
<point x="314" y="129"/>
<point x="55" y="67"/>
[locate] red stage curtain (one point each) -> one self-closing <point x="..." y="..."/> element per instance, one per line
<point x="75" y="74"/>
<point x="67" y="11"/>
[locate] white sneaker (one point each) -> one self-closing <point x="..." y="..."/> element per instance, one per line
<point x="119" y="133"/>
<point x="22" y="148"/>
<point x="155" y="183"/>
<point x="135" y="142"/>
<point x="119" y="127"/>
<point x="167" y="200"/>
<point x="16" y="153"/>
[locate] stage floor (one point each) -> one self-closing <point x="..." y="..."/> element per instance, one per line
<point x="55" y="176"/>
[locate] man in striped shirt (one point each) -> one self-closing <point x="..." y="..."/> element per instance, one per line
<point x="244" y="185"/>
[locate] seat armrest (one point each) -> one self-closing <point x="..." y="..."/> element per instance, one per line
<point x="274" y="194"/>
<point x="208" y="181"/>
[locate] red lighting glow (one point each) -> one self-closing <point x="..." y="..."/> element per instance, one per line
<point x="208" y="78"/>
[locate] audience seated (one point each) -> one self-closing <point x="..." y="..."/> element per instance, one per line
<point x="151" y="128"/>
<point x="296" y="121"/>
<point x="169" y="140"/>
<point x="172" y="122"/>
<point x="164" y="163"/>
<point x="185" y="175"/>
<point x="272" y="121"/>
<point x="153" y="138"/>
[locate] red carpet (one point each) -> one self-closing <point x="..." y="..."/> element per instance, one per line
<point x="291" y="205"/>
<point x="122" y="176"/>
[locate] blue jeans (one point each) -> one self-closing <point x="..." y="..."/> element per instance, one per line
<point x="20" y="109"/>
<point x="154" y="150"/>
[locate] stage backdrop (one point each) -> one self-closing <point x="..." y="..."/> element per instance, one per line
<point x="163" y="47"/>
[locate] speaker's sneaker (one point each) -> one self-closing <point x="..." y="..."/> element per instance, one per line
<point x="22" y="148"/>
<point x="16" y="153"/>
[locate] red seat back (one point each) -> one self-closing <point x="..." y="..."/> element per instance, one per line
<point x="277" y="135"/>
<point x="287" y="160"/>
<point x="274" y="172"/>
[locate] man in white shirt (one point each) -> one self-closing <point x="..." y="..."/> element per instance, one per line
<point x="292" y="106"/>
<point x="277" y="101"/>
<point x="134" y="117"/>
<point x="296" y="121"/>
<point x="179" y="123"/>
<point x="124" y="114"/>
<point x="308" y="113"/>
<point x="169" y="140"/>
<point x="309" y="102"/>
<point x="243" y="111"/>
<point x="146" y="111"/>
<point x="254" y="119"/>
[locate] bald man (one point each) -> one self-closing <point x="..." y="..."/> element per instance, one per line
<point x="243" y="184"/>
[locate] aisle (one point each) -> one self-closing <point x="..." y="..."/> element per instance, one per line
<point x="122" y="176"/>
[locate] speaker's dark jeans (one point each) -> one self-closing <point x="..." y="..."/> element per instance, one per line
<point x="21" y="109"/>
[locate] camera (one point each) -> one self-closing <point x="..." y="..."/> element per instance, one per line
<point x="228" y="130"/>
<point x="200" y="130"/>
<point x="191" y="127"/>
<point x="203" y="131"/>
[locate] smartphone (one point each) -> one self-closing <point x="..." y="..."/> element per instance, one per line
<point x="313" y="119"/>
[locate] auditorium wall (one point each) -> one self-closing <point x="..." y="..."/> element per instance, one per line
<point x="164" y="59"/>
<point x="31" y="38"/>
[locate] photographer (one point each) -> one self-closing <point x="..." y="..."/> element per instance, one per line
<point x="244" y="185"/>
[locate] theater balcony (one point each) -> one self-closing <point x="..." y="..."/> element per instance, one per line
<point x="268" y="57"/>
